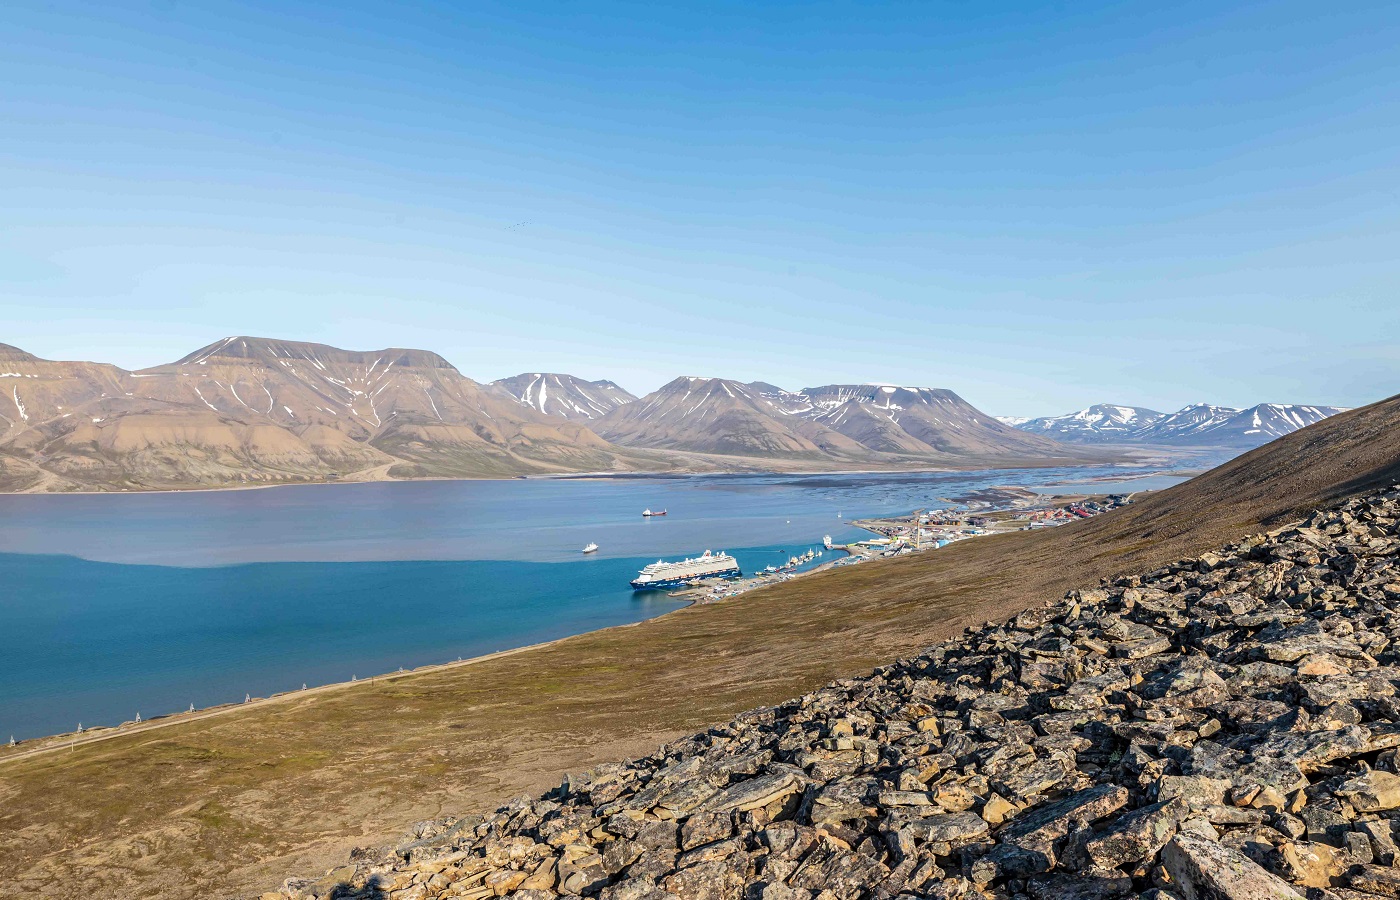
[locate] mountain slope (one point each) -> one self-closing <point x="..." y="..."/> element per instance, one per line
<point x="34" y="390"/>
<point x="565" y="396"/>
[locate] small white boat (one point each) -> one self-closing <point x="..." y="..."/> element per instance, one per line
<point x="591" y="548"/>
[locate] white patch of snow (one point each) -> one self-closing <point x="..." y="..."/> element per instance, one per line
<point x="201" y="397"/>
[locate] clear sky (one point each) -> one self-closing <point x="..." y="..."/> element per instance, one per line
<point x="1038" y="205"/>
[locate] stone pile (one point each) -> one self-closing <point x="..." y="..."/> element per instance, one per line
<point x="1225" y="727"/>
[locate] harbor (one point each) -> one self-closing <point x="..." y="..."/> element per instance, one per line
<point x="988" y="511"/>
<point x="710" y="590"/>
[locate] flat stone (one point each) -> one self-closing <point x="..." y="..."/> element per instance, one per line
<point x="753" y="793"/>
<point x="1205" y="870"/>
<point x="1372" y="792"/>
<point x="950" y="831"/>
<point x="1137" y="835"/>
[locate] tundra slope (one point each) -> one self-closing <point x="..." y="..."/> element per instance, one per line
<point x="1225" y="726"/>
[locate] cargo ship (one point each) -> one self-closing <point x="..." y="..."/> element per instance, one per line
<point x="661" y="574"/>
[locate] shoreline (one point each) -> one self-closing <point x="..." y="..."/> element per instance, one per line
<point x="1045" y="463"/>
<point x="68" y="740"/>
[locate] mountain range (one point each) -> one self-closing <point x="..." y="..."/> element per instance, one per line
<point x="1199" y="424"/>
<point x="247" y="410"/>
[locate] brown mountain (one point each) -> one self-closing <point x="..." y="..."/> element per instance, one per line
<point x="41" y="399"/>
<point x="842" y="424"/>
<point x="409" y="405"/>
<point x="564" y="396"/>
<point x="716" y="415"/>
<point x="918" y="420"/>
<point x="259" y="410"/>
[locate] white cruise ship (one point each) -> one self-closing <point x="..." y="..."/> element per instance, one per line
<point x="662" y="574"/>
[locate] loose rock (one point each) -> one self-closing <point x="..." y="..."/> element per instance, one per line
<point x="1226" y="727"/>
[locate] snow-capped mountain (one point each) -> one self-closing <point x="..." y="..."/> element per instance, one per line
<point x="1102" y="422"/>
<point x="565" y="396"/>
<point x="1277" y="419"/>
<point x="1187" y="424"/>
<point x="1204" y="424"/>
<point x="1199" y="424"/>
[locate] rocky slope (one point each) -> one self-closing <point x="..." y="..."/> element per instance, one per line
<point x="1224" y="727"/>
<point x="565" y="396"/>
<point x="1199" y="424"/>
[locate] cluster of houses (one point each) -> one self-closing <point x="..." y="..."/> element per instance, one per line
<point x="910" y="534"/>
<point x="1087" y="509"/>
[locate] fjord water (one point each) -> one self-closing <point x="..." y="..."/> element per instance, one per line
<point x="125" y="603"/>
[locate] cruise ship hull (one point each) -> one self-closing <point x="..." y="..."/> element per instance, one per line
<point x="668" y="583"/>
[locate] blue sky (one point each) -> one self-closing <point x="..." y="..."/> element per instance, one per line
<point x="1039" y="206"/>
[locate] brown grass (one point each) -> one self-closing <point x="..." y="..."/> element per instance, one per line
<point x="236" y="803"/>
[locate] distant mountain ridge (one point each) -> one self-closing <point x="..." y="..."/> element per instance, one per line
<point x="1100" y="422"/>
<point x="718" y="415"/>
<point x="249" y="410"/>
<point x="843" y="421"/>
<point x="1199" y="424"/>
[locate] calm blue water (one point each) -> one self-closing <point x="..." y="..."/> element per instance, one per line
<point x="116" y="604"/>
